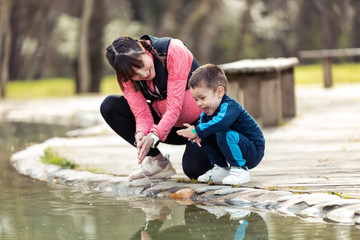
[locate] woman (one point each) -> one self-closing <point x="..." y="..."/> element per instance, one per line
<point x="153" y="74"/>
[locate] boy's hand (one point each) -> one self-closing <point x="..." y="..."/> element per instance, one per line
<point x="187" y="132"/>
<point x="197" y="140"/>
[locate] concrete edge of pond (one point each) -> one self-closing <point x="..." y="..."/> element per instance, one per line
<point x="217" y="198"/>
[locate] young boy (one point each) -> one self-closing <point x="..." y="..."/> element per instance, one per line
<point x="229" y="134"/>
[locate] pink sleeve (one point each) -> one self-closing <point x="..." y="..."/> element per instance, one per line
<point x="179" y="60"/>
<point x="139" y="108"/>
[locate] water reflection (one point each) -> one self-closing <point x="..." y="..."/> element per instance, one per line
<point x="31" y="209"/>
<point x="199" y="222"/>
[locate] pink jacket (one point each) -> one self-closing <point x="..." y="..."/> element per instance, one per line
<point x="178" y="108"/>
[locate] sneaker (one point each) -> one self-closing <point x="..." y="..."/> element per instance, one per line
<point x="237" y="176"/>
<point x="215" y="175"/>
<point x="153" y="169"/>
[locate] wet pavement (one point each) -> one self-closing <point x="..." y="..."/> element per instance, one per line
<point x="315" y="154"/>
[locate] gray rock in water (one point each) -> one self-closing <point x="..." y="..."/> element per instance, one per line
<point x="210" y="188"/>
<point x="218" y="211"/>
<point x="238" y="201"/>
<point x="227" y="191"/>
<point x="288" y="197"/>
<point x="266" y="205"/>
<point x="237" y="214"/>
<point x="357" y="220"/>
<point x="340" y="203"/>
<point x="287" y="207"/>
<point x="341" y="215"/>
<point x="315" y="211"/>
<point x="316" y="198"/>
<point x="344" y="215"/>
<point x="124" y="191"/>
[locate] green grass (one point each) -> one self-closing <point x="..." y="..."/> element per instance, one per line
<point x="54" y="87"/>
<point x="57" y="87"/>
<point x="342" y="73"/>
<point x="63" y="87"/>
<point x="52" y="157"/>
<point x="109" y="85"/>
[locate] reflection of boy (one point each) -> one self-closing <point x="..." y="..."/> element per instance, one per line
<point x="229" y="134"/>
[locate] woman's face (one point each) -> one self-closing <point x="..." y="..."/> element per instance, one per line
<point x="147" y="72"/>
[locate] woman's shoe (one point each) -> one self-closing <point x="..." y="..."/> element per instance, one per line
<point x="153" y="169"/>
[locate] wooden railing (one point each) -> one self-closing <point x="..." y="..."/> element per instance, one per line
<point x="326" y="56"/>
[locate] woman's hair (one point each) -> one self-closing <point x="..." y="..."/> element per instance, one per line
<point x="210" y="76"/>
<point x="124" y="56"/>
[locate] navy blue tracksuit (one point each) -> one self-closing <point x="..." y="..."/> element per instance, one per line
<point x="231" y="135"/>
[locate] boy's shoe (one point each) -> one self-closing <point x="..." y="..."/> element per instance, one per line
<point x="152" y="168"/>
<point x="215" y="175"/>
<point x="237" y="176"/>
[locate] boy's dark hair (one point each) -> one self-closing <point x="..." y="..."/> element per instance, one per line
<point x="210" y="75"/>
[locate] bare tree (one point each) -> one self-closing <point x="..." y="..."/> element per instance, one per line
<point x="96" y="43"/>
<point x="33" y="21"/>
<point x="89" y="62"/>
<point x="197" y="10"/>
<point x="330" y="22"/>
<point x="84" y="62"/>
<point x="169" y="23"/>
<point x="356" y="27"/>
<point x="209" y="31"/>
<point x="245" y="28"/>
<point x="5" y="44"/>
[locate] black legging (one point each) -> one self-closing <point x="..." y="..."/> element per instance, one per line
<point x="117" y="114"/>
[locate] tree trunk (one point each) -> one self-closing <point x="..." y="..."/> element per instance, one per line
<point x="98" y="22"/>
<point x="84" y="60"/>
<point x="356" y="27"/>
<point x="329" y="27"/>
<point x="46" y="41"/>
<point x="5" y="44"/>
<point x="15" y="36"/>
<point x="209" y="31"/>
<point x="200" y="8"/>
<point x="245" y="23"/>
<point x="168" y="24"/>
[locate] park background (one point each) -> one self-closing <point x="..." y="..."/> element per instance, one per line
<point x="48" y="47"/>
<point x="56" y="48"/>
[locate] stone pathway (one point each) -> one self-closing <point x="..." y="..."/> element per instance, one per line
<point x="313" y="154"/>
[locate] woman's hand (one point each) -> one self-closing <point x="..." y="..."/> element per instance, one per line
<point x="143" y="147"/>
<point x="139" y="136"/>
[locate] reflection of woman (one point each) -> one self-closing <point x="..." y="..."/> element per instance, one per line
<point x="201" y="224"/>
<point x="153" y="74"/>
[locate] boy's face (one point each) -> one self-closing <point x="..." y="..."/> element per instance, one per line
<point x="207" y="99"/>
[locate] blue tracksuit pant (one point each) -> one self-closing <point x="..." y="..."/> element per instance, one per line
<point x="230" y="147"/>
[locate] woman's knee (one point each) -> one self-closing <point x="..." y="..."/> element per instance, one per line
<point x="195" y="161"/>
<point x="109" y="104"/>
<point x="106" y="106"/>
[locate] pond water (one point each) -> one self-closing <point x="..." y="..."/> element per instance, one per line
<point x="31" y="209"/>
